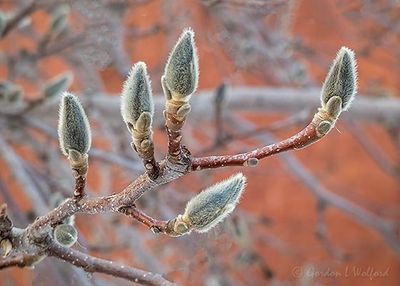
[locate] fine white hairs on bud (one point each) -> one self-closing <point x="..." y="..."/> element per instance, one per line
<point x="341" y="80"/>
<point x="73" y="126"/>
<point x="181" y="73"/>
<point x="65" y="234"/>
<point x="10" y="92"/>
<point x="136" y="98"/>
<point x="212" y="205"/>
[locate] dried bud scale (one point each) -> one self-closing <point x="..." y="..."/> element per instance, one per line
<point x="136" y="97"/>
<point x="337" y="92"/>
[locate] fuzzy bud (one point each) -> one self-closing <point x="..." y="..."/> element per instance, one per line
<point x="341" y="80"/>
<point x="181" y="71"/>
<point x="59" y="21"/>
<point x="73" y="126"/>
<point x="65" y="234"/>
<point x="136" y="98"/>
<point x="57" y="85"/>
<point x="212" y="205"/>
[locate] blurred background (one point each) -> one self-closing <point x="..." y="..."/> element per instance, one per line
<point x="325" y="215"/>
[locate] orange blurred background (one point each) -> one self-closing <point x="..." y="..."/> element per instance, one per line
<point x="280" y="234"/>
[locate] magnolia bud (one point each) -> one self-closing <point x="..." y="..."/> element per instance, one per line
<point x="73" y="126"/>
<point x="341" y="80"/>
<point x="181" y="71"/>
<point x="65" y="234"/>
<point x="57" y="85"/>
<point x="212" y="205"/>
<point x="59" y="20"/>
<point x="5" y="247"/>
<point x="137" y="98"/>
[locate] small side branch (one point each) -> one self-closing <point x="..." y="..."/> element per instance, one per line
<point x="156" y="226"/>
<point x="307" y="136"/>
<point x="17" y="261"/>
<point x="92" y="264"/>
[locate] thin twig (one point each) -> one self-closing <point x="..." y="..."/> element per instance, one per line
<point x="97" y="265"/>
<point x="386" y="228"/>
<point x="306" y="137"/>
<point x="18" y="261"/>
<point x="155" y="225"/>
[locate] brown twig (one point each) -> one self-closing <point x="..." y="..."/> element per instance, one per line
<point x="307" y="136"/>
<point x="18" y="261"/>
<point x="155" y="225"/>
<point x="97" y="265"/>
<point x="219" y="99"/>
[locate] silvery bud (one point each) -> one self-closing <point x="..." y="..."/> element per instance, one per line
<point x="73" y="126"/>
<point x="341" y="80"/>
<point x="137" y="98"/>
<point x="212" y="205"/>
